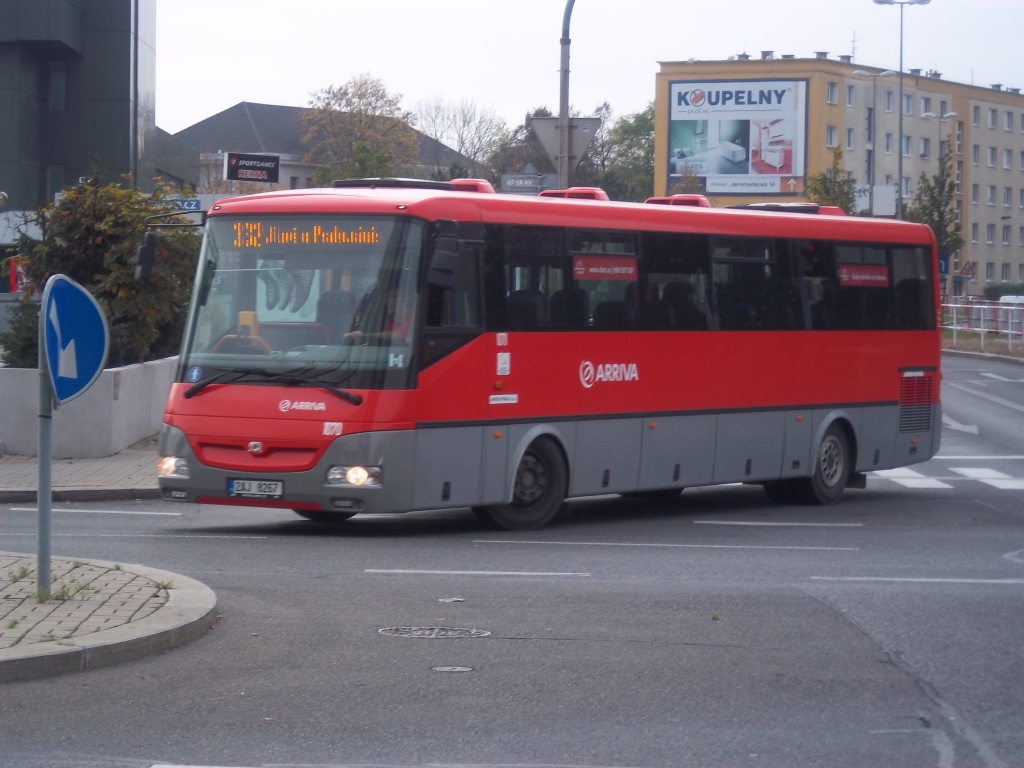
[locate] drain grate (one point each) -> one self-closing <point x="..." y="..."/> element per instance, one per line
<point x="437" y="633"/>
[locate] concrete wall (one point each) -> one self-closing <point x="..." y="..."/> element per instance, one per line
<point x="124" y="406"/>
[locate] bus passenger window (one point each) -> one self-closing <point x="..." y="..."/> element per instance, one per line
<point x="912" y="288"/>
<point x="865" y="297"/>
<point x="817" y="263"/>
<point x="677" y="278"/>
<point x="524" y="269"/>
<point x="744" y="284"/>
<point x="458" y="306"/>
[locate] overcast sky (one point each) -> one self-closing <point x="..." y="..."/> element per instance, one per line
<point x="212" y="54"/>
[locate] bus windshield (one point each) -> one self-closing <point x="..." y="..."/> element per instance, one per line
<point x="328" y="296"/>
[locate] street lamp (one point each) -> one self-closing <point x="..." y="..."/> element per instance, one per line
<point x="874" y="133"/>
<point x="899" y="169"/>
<point x="941" y="119"/>
<point x="563" y="101"/>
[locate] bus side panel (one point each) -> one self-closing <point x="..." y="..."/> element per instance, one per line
<point x="824" y="418"/>
<point x="495" y="485"/>
<point x="796" y="456"/>
<point x="687" y="442"/>
<point x="448" y="467"/>
<point x="878" y="431"/>
<point x="607" y="456"/>
<point x="749" y="446"/>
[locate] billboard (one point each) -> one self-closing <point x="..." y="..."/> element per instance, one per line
<point x="259" y="168"/>
<point x="740" y="137"/>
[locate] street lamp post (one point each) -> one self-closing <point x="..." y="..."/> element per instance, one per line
<point x="563" y="102"/>
<point x="899" y="169"/>
<point x="874" y="132"/>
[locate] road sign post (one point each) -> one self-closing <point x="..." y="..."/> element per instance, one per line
<point x="73" y="344"/>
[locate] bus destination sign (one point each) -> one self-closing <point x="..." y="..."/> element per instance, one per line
<point x="263" y="169"/>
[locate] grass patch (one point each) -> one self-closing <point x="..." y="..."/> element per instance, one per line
<point x="18" y="575"/>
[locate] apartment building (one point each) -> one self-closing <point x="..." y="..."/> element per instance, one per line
<point x="754" y="130"/>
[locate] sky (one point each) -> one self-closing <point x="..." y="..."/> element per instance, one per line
<point x="504" y="54"/>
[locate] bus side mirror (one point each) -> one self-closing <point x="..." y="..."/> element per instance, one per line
<point x="444" y="263"/>
<point x="144" y="257"/>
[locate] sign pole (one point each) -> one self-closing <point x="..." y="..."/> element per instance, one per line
<point x="44" y="493"/>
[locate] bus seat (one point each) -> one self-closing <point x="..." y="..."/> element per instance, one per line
<point x="569" y="308"/>
<point x="611" y="316"/>
<point x="684" y="314"/>
<point x="525" y="310"/>
<point x="335" y="310"/>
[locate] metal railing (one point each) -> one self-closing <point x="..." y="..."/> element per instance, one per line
<point x="985" y="317"/>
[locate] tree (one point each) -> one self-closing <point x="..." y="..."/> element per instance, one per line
<point x="358" y="129"/>
<point x="629" y="172"/>
<point x="471" y="131"/>
<point x="517" y="148"/>
<point x="933" y="205"/>
<point x="834" y="186"/>
<point x="91" y="235"/>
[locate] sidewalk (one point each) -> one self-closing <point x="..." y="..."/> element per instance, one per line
<point x="130" y="474"/>
<point x="98" y="613"/>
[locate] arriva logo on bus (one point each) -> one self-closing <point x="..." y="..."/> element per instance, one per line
<point x="590" y="374"/>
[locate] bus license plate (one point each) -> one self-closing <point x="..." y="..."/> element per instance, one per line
<point x="256" y="489"/>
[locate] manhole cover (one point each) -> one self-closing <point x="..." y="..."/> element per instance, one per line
<point x="434" y="632"/>
<point x="452" y="669"/>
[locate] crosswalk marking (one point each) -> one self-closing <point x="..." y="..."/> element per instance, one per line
<point x="1009" y="484"/>
<point x="908" y="478"/>
<point x="979" y="473"/>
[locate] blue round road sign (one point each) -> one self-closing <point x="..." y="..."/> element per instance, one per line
<point x="75" y="340"/>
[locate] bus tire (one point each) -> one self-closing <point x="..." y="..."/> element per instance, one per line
<point x="780" y="491"/>
<point x="540" y="486"/>
<point x="324" y="517"/>
<point x="831" y="469"/>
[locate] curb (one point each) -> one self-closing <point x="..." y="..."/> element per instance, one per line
<point x="187" y="614"/>
<point x="983" y="355"/>
<point x="81" y="494"/>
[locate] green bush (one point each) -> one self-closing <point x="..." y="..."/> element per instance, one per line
<point x="995" y="292"/>
<point x="20" y="343"/>
<point x="91" y="235"/>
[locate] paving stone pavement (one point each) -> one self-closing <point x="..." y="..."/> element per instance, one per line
<point x="85" y="598"/>
<point x="134" y="468"/>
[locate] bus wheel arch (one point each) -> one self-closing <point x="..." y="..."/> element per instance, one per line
<point x="833" y="462"/>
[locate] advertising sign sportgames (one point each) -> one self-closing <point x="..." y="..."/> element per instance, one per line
<point x="739" y="137"/>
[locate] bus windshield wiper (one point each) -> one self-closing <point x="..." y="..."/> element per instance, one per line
<point x="297" y="377"/>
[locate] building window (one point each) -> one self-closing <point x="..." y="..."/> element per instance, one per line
<point x="990" y="235"/>
<point x="958" y="175"/>
<point x="907" y="143"/>
<point x="888" y="180"/>
<point x="1007" y="197"/>
<point x="992" y="118"/>
<point x="1022" y="198"/>
<point x="849" y="138"/>
<point x="58" y="86"/>
<point x="977" y="115"/>
<point x="926" y="148"/>
<point x="831" y="136"/>
<point x="906" y="186"/>
<point x="871" y="125"/>
<point x="1008" y="121"/>
<point x="870" y="162"/>
<point x="975" y="154"/>
<point x="1008" y="159"/>
<point x="832" y="93"/>
<point x="888" y="101"/>
<point x="960" y="137"/>
<point x="974" y="271"/>
<point x="958" y="210"/>
<point x="293" y="182"/>
<point x="943" y="147"/>
<point x="991" y="194"/>
<point x="849" y="95"/>
<point x="943" y="108"/>
<point x="1005" y="273"/>
<point x="990" y="271"/>
<point x="888" y="143"/>
<point x="1020" y="267"/>
<point x="991" y="157"/>
<point x="1020" y="236"/>
<point x="54" y="181"/>
<point x="974" y="193"/>
<point x="1006" y="234"/>
<point x="974" y="233"/>
<point x="926" y="104"/>
<point x="908" y="104"/>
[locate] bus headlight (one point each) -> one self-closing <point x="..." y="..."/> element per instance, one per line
<point x="360" y="477"/>
<point x="172" y="466"/>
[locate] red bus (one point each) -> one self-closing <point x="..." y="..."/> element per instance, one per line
<point x="391" y="345"/>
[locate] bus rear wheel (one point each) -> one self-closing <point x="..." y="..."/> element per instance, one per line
<point x="831" y="469"/>
<point x="540" y="486"/>
<point x="324" y="517"/>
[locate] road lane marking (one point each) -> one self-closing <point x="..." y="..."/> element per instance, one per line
<point x="917" y="580"/>
<point x="980" y="473"/>
<point x="469" y="573"/>
<point x="976" y="458"/>
<point x="788" y="525"/>
<point x="987" y="396"/>
<point x="1016" y="557"/>
<point x="908" y="478"/>
<point x="953" y="424"/>
<point x="997" y="377"/>
<point x="140" y="536"/>
<point x="898" y="472"/>
<point x="630" y="544"/>
<point x="96" y="511"/>
<point x="1006" y="485"/>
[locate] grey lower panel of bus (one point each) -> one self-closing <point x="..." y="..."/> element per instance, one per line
<point x="443" y="467"/>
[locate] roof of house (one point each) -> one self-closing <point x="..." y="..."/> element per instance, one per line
<point x="277" y="129"/>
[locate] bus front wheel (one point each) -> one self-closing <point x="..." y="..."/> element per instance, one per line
<point x="831" y="469"/>
<point x="540" y="486"/>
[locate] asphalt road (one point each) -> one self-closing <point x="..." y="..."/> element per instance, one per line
<point x="717" y="630"/>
